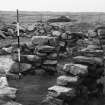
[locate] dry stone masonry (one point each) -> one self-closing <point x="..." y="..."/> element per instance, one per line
<point x="80" y="77"/>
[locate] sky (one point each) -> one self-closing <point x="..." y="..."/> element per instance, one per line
<point x="54" y="5"/>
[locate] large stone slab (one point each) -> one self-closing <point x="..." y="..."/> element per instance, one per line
<point x="50" y="62"/>
<point x="41" y="40"/>
<point x="41" y="54"/>
<point x="60" y="91"/>
<point x="45" y="49"/>
<point x="68" y="81"/>
<point x="88" y="60"/>
<point x="76" y="69"/>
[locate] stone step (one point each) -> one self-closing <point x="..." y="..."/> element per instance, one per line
<point x="76" y="69"/>
<point x="61" y="91"/>
<point x="88" y="60"/>
<point x="68" y="81"/>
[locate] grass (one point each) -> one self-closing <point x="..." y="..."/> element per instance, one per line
<point x="32" y="17"/>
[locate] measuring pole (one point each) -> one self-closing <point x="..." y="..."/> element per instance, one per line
<point x="18" y="43"/>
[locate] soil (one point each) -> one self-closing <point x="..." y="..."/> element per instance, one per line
<point x="32" y="89"/>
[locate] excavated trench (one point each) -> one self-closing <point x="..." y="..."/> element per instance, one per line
<point x="32" y="89"/>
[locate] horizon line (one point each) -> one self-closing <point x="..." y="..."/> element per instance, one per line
<point x="52" y="11"/>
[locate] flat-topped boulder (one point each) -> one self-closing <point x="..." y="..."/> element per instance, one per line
<point x="88" y="60"/>
<point x="45" y="48"/>
<point x="75" y="69"/>
<point x="60" y="91"/>
<point x="42" y="40"/>
<point x="68" y="81"/>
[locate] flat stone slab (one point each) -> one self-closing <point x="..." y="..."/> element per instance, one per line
<point x="76" y="69"/>
<point x="68" y="81"/>
<point x="90" y="60"/>
<point x="57" y="91"/>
